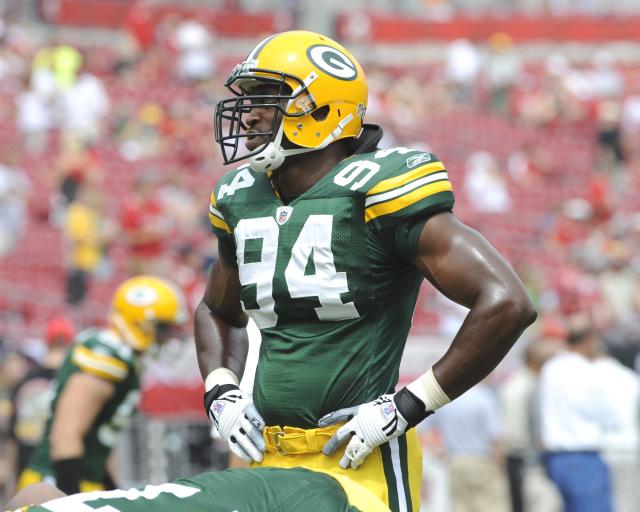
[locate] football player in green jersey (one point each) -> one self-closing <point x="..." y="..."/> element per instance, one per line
<point x="257" y="490"/>
<point x="96" y="389"/>
<point x="324" y="241"/>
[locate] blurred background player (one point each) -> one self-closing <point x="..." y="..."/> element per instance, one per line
<point x="32" y="396"/>
<point x="97" y="387"/>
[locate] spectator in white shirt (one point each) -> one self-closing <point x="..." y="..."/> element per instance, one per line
<point x="485" y="184"/>
<point x="574" y="416"/>
<point x="194" y="43"/>
<point x="84" y="107"/>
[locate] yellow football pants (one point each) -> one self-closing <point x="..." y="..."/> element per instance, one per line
<point x="392" y="472"/>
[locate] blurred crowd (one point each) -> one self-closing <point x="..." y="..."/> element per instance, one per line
<point x="559" y="431"/>
<point x="110" y="156"/>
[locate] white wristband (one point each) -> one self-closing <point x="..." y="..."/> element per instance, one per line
<point x="427" y="389"/>
<point x="220" y="376"/>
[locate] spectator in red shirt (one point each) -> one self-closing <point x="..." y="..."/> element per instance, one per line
<point x="141" y="25"/>
<point x="145" y="227"/>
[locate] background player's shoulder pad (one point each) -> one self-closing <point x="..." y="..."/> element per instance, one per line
<point x="103" y="355"/>
<point x="409" y="184"/>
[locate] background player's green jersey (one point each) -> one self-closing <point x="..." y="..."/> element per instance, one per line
<point x="245" y="490"/>
<point x="99" y="353"/>
<point x="329" y="278"/>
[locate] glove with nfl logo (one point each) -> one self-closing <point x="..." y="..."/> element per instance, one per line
<point x="372" y="424"/>
<point x="237" y="420"/>
<point x="387" y="417"/>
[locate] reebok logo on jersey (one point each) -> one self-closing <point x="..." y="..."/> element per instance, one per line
<point x="414" y="160"/>
<point x="283" y="213"/>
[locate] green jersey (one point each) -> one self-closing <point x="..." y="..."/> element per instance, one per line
<point x="103" y="354"/>
<point x="246" y="490"/>
<point x="329" y="278"/>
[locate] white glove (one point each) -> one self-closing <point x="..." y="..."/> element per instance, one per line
<point x="237" y="420"/>
<point x="372" y="424"/>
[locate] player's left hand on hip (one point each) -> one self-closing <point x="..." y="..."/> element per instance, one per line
<point x="238" y="421"/>
<point x="372" y="424"/>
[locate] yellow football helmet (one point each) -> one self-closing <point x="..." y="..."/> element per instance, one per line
<point x="144" y="309"/>
<point x="322" y="97"/>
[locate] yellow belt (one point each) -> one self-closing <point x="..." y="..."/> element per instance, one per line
<point x="297" y="441"/>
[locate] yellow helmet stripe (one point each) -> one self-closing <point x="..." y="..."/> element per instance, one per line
<point x="406" y="200"/>
<point x="398" y="181"/>
<point x="256" y="51"/>
<point x="100" y="365"/>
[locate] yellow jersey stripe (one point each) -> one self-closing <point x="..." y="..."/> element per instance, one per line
<point x="99" y="364"/>
<point x="213" y="210"/>
<point x="412" y="185"/>
<point x="213" y="199"/>
<point x="219" y="223"/>
<point x="398" y="181"/>
<point x="406" y="200"/>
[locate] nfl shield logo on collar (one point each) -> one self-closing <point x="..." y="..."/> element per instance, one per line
<point x="283" y="213"/>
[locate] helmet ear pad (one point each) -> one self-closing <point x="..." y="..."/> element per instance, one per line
<point x="311" y="130"/>
<point x="319" y="115"/>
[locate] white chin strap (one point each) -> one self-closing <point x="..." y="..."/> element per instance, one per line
<point x="273" y="155"/>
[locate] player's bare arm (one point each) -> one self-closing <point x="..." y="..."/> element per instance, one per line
<point x="467" y="269"/>
<point x="220" y="324"/>
<point x="222" y="345"/>
<point x="78" y="407"/>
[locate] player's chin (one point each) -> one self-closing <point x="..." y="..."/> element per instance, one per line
<point x="253" y="143"/>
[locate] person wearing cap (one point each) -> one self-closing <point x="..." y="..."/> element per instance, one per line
<point x="575" y="414"/>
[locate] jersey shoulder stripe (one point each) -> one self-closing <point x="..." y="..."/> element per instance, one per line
<point x="102" y="365"/>
<point x="105" y="341"/>
<point x="403" y="192"/>
<point x="406" y="177"/>
<point x="215" y="216"/>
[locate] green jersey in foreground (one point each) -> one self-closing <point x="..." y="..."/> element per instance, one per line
<point x="242" y="490"/>
<point x="99" y="353"/>
<point x="329" y="278"/>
